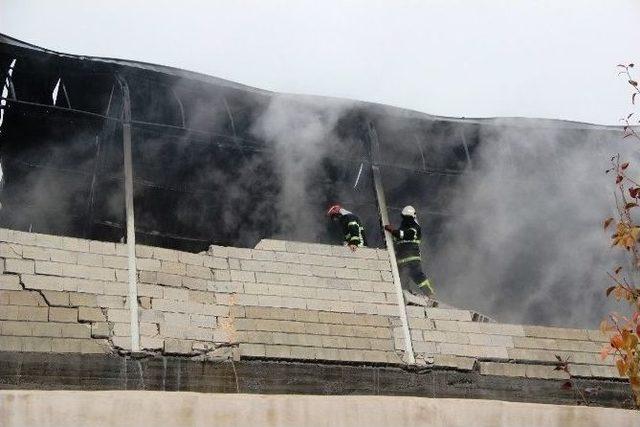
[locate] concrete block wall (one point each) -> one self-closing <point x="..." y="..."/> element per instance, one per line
<point x="281" y="300"/>
<point x="450" y="338"/>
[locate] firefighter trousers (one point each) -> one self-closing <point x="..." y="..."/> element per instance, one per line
<point x="413" y="278"/>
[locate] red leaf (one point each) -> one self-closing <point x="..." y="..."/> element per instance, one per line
<point x="618" y="270"/>
<point x="630" y="205"/>
<point x="566" y="385"/>
<point x="607" y="223"/>
<point x="624" y="165"/>
<point x="634" y="192"/>
<point x="610" y="289"/>
<point x="618" y="179"/>
<point x="633" y="83"/>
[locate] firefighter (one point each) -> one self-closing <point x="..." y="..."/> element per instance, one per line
<point x="407" y="244"/>
<point x="352" y="228"/>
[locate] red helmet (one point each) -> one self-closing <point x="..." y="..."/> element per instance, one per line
<point x="334" y="210"/>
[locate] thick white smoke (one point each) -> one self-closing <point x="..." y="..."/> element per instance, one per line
<point x="525" y="243"/>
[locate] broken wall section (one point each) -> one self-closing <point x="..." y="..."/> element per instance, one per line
<point x="283" y="300"/>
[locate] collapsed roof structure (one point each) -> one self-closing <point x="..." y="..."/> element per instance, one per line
<point x="218" y="162"/>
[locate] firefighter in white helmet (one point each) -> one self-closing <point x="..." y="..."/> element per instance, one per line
<point x="407" y="244"/>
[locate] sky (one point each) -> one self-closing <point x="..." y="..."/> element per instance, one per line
<point x="473" y="58"/>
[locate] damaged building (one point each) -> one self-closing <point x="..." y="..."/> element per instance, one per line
<point x="228" y="188"/>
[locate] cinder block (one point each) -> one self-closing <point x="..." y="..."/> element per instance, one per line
<point x="66" y="345"/>
<point x="334" y="342"/>
<point x="10" y="282"/>
<point x="10" y="250"/>
<point x="151" y="316"/>
<point x="100" y="330"/>
<point x="83" y="299"/>
<point x="191" y="258"/>
<point x="151" y="343"/>
<point x="177" y="346"/>
<point x="563" y="333"/>
<point x="59" y="255"/>
<point x="8" y="312"/>
<point x="90" y="259"/>
<point x="424" y="347"/>
<point x="271" y="245"/>
<point x="319" y="249"/>
<point x="113" y="261"/>
<point x="327" y="354"/>
<point x="304" y="353"/>
<point x="534" y="355"/>
<point x="87" y="272"/>
<point x="122" y="342"/>
<point x="46" y="329"/>
<point x="218" y="251"/>
<point x="13" y="265"/>
<point x="239" y="253"/>
<point x="36" y="344"/>
<point x="178" y="294"/>
<point x="76" y="330"/>
<point x="152" y="264"/>
<point x="199" y="272"/>
<point x="263" y="255"/>
<point x="544" y="371"/>
<point x="76" y="245"/>
<point x="103" y="248"/>
<point x="35" y="253"/>
<point x="201" y="297"/>
<point x="32" y="314"/>
<point x="351" y="355"/>
<point x="244" y="299"/>
<point x="216" y="263"/>
<point x="171" y="267"/>
<point x="148" y="277"/>
<point x="456" y="362"/>
<point x="56" y="298"/>
<point x="491" y="328"/>
<point x="152" y="291"/>
<point x="95" y="287"/>
<point x="9" y="343"/>
<point x="278" y="351"/>
<point x="25" y="298"/>
<point x="117" y="315"/>
<point x="448" y="314"/>
<point x="165" y="254"/>
<point x="90" y="314"/>
<point x="110" y="301"/>
<point x="167" y="279"/>
<point x="93" y="346"/>
<point x="194" y="283"/>
<point x="242" y="276"/>
<point x="255" y="350"/>
<point x="116" y="288"/>
<point x="142" y="251"/>
<point x="23" y="329"/>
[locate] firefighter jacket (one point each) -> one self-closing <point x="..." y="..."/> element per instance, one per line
<point x="407" y="240"/>
<point x="352" y="228"/>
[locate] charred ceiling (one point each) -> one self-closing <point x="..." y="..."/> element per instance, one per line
<point x="218" y="162"/>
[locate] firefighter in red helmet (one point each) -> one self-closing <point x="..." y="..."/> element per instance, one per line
<point x="352" y="228"/>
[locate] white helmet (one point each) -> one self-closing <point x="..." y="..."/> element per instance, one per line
<point x="409" y="211"/>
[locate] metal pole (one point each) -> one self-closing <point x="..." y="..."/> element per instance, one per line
<point x="131" y="233"/>
<point x="382" y="207"/>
